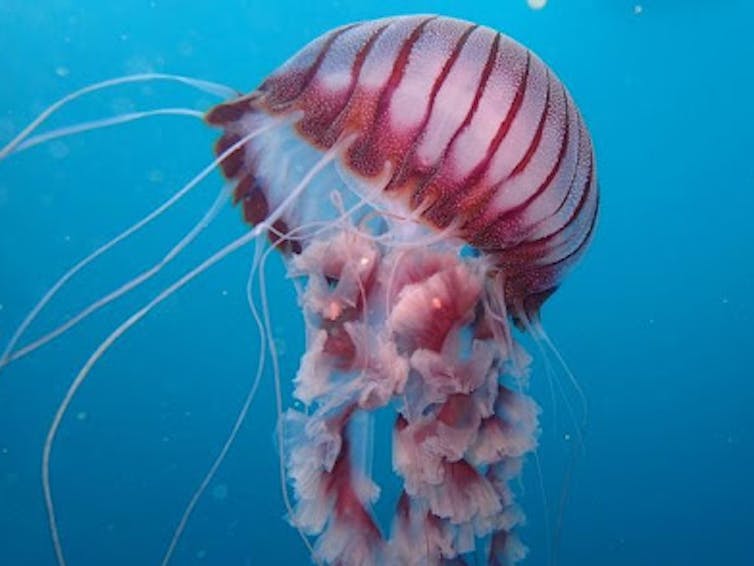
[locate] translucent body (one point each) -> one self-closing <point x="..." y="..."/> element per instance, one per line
<point x="436" y="135"/>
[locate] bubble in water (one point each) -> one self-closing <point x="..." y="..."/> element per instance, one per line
<point x="220" y="492"/>
<point x="123" y="105"/>
<point x="58" y="149"/>
<point x="536" y="4"/>
<point x="638" y="9"/>
<point x="156" y="176"/>
<point x="186" y="49"/>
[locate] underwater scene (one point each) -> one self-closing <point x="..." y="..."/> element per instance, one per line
<point x="376" y="283"/>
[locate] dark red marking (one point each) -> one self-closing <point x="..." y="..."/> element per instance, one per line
<point x="404" y="506"/>
<point x="348" y="507"/>
<point x="283" y="89"/>
<point x="233" y="162"/>
<point x="462" y="473"/>
<point x="277" y="235"/>
<point x="229" y="112"/>
<point x="255" y="206"/>
<point x="444" y="208"/>
<point x="536" y="140"/>
<point x="431" y="326"/>
<point x="408" y="166"/>
<point x="363" y="154"/>
<point x="339" y="345"/>
<point x="505" y="223"/>
<point x="432" y="176"/>
<point x="457" y="410"/>
<point x="525" y="251"/>
<point x="325" y="118"/>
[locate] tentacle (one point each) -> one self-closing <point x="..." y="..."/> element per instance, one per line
<point x="216" y="89"/>
<point x="280" y="428"/>
<point x="540" y="334"/>
<point x="132" y="320"/>
<point x="240" y="418"/>
<point x="9" y="355"/>
<point x="103" y="347"/>
<point x="103" y="123"/>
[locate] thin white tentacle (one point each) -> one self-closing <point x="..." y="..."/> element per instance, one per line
<point x="132" y="320"/>
<point x="103" y="123"/>
<point x="103" y="347"/>
<point x="216" y="89"/>
<point x="9" y="355"/>
<point x="240" y="418"/>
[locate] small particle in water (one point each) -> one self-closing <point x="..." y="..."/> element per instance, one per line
<point x="536" y="4"/>
<point x="62" y="71"/>
<point x="638" y="9"/>
<point x="165" y="439"/>
<point x="59" y="150"/>
<point x="224" y="292"/>
<point x="67" y="238"/>
<point x="156" y="176"/>
<point x="4" y="450"/>
<point x="186" y="49"/>
<point x="220" y="492"/>
<point x="280" y="345"/>
<point x="566" y="437"/>
<point x="82" y="415"/>
<point x="725" y="300"/>
<point x="1" y="307"/>
<point x="122" y="105"/>
<point x="202" y="554"/>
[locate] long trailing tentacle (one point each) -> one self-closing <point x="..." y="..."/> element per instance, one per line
<point x="103" y="347"/>
<point x="534" y="327"/>
<point x="280" y="428"/>
<point x="213" y="88"/>
<point x="10" y="355"/>
<point x="265" y="338"/>
<point x="240" y="418"/>
<point x="539" y="333"/>
<point x="137" y="316"/>
<point x="66" y="131"/>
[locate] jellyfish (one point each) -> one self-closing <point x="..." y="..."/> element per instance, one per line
<point x="428" y="182"/>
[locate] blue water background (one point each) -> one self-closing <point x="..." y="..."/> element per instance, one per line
<point x="656" y="322"/>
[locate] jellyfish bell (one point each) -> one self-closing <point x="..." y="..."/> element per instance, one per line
<point x="429" y="182"/>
